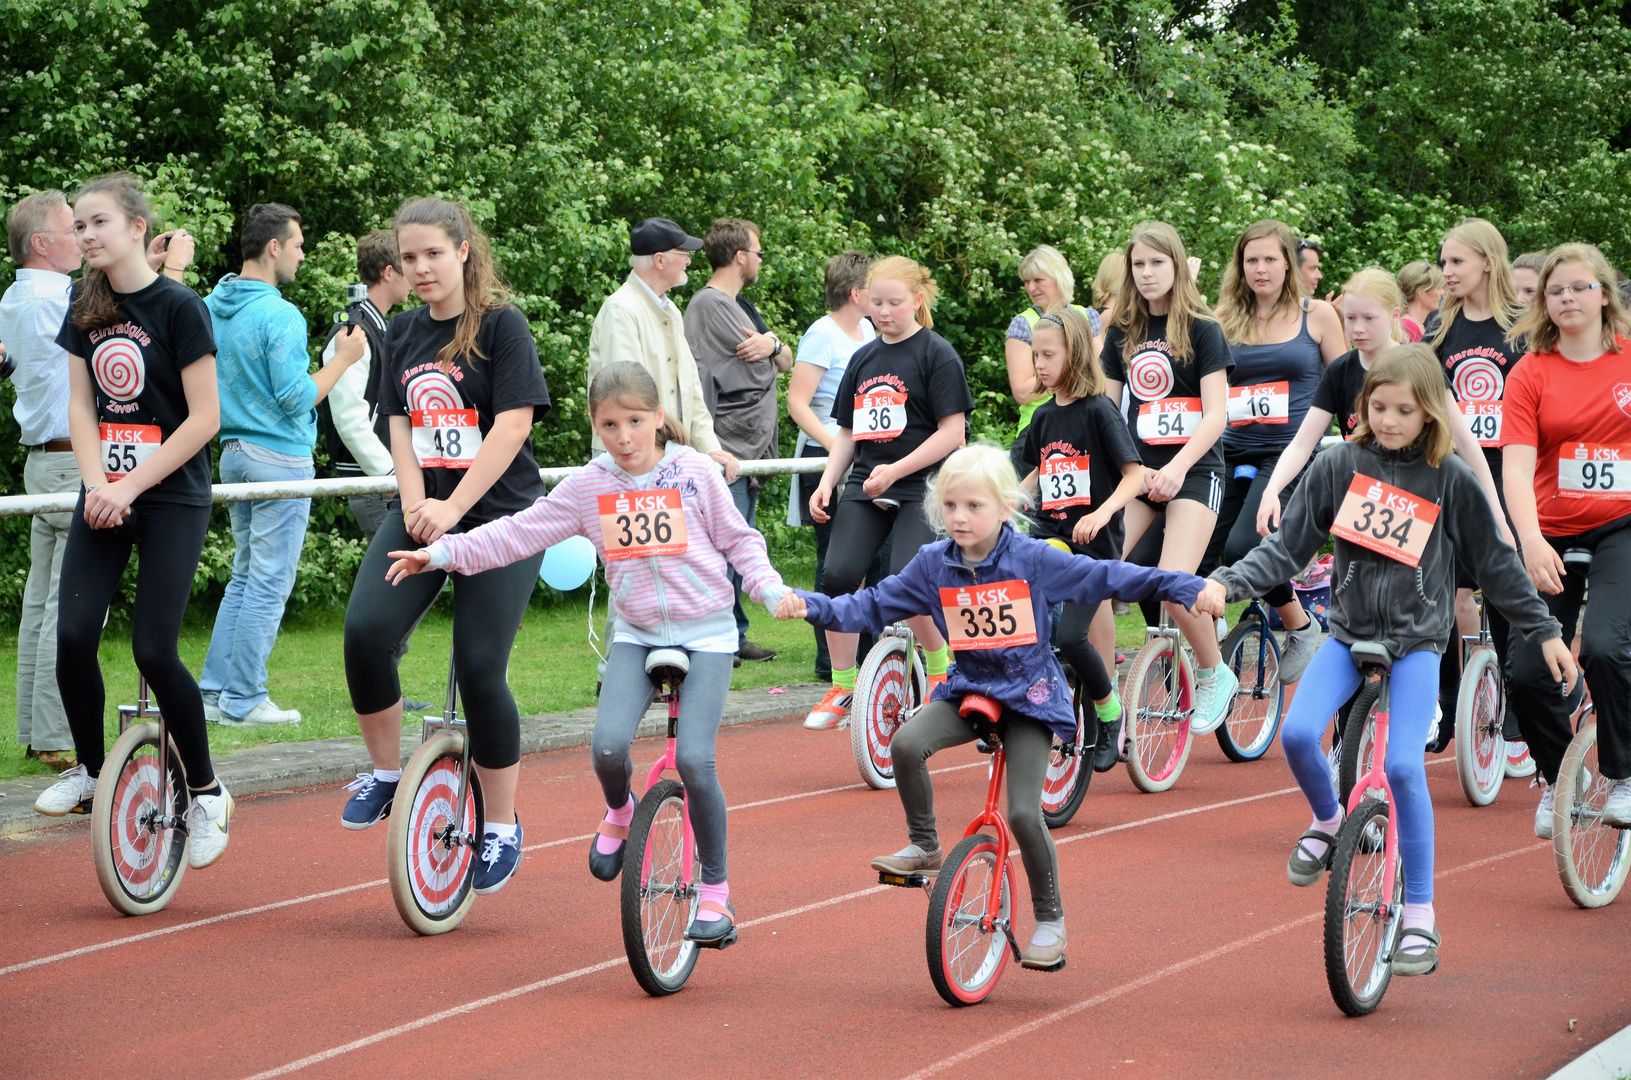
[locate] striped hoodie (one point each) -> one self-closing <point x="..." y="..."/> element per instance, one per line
<point x="673" y="600"/>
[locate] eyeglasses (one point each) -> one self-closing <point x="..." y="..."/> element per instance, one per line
<point x="1579" y="288"/>
<point x="749" y="251"/>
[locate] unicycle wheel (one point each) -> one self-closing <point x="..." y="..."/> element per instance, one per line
<point x="1480" y="710"/>
<point x="431" y="871"/>
<point x="139" y="848"/>
<point x="888" y="688"/>
<point x="965" y="961"/>
<point x="1361" y="924"/>
<point x="1358" y="739"/>
<point x="658" y="898"/>
<point x="1255" y="711"/>
<point x="1592" y="858"/>
<point x="1158" y="738"/>
<point x="1069" y="770"/>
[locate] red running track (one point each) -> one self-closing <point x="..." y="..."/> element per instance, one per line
<point x="1190" y="954"/>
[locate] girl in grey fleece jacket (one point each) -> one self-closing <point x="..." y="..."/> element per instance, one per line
<point x="1400" y="508"/>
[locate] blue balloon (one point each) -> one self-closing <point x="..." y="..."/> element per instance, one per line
<point x="569" y="563"/>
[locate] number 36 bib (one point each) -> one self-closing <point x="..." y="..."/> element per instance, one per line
<point x="880" y="415"/>
<point x="993" y="616"/>
<point x="445" y="438"/>
<point x="1388" y="520"/>
<point x="637" y="524"/>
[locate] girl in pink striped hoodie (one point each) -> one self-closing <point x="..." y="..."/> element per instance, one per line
<point x="663" y="522"/>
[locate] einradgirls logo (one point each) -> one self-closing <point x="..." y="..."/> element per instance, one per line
<point x="1059" y="448"/>
<point x="432" y="391"/>
<point x="887" y="378"/>
<point x="1478" y="374"/>
<point x="1150" y="373"/>
<point x="119" y="369"/>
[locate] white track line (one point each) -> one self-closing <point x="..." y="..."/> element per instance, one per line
<point x="1155" y="976"/>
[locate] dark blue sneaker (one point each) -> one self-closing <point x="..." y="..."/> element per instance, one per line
<point x="371" y="802"/>
<point x="497" y="861"/>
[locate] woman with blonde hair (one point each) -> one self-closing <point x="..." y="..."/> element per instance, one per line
<point x="1423" y="286"/>
<point x="1169" y="351"/>
<point x="1048" y="281"/>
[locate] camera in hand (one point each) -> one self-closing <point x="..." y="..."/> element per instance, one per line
<point x="7" y="364"/>
<point x="354" y="294"/>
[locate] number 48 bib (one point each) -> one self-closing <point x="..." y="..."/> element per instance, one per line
<point x="1388" y="520"/>
<point x="445" y="438"/>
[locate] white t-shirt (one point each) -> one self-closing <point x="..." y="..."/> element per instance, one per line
<point x="827" y="346"/>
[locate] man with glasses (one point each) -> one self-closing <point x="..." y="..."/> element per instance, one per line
<point x="738" y="360"/>
<point x="41" y="232"/>
<point x="1309" y="253"/>
<point x="638" y="322"/>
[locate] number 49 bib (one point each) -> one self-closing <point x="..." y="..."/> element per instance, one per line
<point x="445" y="438"/>
<point x="993" y="616"/>
<point x="1388" y="520"/>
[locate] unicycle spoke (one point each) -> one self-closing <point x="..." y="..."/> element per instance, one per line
<point x="1361" y="917"/>
<point x="1592" y="858"/>
<point x="140" y="850"/>
<point x="967" y="955"/>
<point x="430" y="845"/>
<point x="658" y="900"/>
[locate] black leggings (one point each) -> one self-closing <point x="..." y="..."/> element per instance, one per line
<point x="170" y="539"/>
<point x="487" y="612"/>
<point x="1235" y="534"/>
<point x="1083" y="658"/>
<point x="859" y="529"/>
<point x="1605" y="657"/>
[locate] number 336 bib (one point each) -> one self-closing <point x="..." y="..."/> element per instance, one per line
<point x="637" y="524"/>
<point x="1388" y="520"/>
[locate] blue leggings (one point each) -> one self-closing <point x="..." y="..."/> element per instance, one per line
<point x="1330" y="680"/>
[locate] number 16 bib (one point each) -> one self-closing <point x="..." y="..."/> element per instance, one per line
<point x="1388" y="520"/>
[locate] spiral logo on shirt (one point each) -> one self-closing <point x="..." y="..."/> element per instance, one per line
<point x="431" y="391"/>
<point x="1478" y="379"/>
<point x="119" y="368"/>
<point x="1151" y="375"/>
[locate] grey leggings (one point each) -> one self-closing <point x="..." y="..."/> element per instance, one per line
<point x="1029" y="744"/>
<point x="625" y="693"/>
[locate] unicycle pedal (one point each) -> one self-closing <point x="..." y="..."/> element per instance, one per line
<point x="1059" y="966"/>
<point x="724" y="941"/>
<point x="906" y="881"/>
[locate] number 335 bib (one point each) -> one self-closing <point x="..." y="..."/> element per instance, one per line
<point x="993" y="616"/>
<point x="1388" y="520"/>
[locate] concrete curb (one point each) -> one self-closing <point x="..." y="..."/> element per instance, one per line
<point x="1608" y="1060"/>
<point x="284" y="766"/>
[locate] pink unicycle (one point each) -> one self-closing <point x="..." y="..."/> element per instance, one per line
<point x="1364" y="899"/>
<point x="660" y="900"/>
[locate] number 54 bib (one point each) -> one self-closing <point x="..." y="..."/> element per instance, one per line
<point x="1388" y="520"/>
<point x="993" y="616"/>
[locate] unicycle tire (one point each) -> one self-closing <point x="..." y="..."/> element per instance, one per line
<point x="1357" y="739"/>
<point x="965" y="962"/>
<point x="431" y="881"/>
<point x="1359" y="938"/>
<point x="1258" y="706"/>
<point x="1069" y="773"/>
<point x="1480" y="748"/>
<point x="658" y="899"/>
<point x="139" y="867"/>
<point x="1158" y="738"/>
<point x="888" y="689"/>
<point x="1592" y="858"/>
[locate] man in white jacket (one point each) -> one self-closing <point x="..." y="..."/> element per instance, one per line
<point x="638" y="322"/>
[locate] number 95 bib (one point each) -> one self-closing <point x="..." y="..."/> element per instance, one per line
<point x="1388" y="520"/>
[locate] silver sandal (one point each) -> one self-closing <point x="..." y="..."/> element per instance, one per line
<point x="1417" y="963"/>
<point x="1303" y="871"/>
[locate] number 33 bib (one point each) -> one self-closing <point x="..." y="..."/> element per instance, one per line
<point x="993" y="616"/>
<point x="1388" y="520"/>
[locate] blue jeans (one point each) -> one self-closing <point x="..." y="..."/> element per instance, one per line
<point x="1330" y="680"/>
<point x="269" y="536"/>
<point x="747" y="504"/>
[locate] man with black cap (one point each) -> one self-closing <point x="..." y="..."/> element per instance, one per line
<point x="638" y="322"/>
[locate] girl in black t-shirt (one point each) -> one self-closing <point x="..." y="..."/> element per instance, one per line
<point x="1092" y="471"/>
<point x="1169" y="351"/>
<point x="141" y="412"/>
<point x="462" y="390"/>
<point x="900" y="409"/>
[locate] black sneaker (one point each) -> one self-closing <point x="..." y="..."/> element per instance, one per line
<point x="371" y="803"/>
<point x="749" y="651"/>
<point x="1107" y="751"/>
<point x="498" y="860"/>
<point x="411" y="705"/>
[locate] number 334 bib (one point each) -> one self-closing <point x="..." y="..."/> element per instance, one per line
<point x="1388" y="520"/>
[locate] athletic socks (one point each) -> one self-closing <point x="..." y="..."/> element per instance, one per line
<point x="607" y="845"/>
<point x="718" y="893"/>
<point x="388" y="776"/>
<point x="1048" y="933"/>
<point x="1421" y="917"/>
<point x="844" y="678"/>
<point x="503" y="832"/>
<point x="1110" y="711"/>
<point x="936" y="661"/>
<point x="1315" y="849"/>
<point x="213" y="789"/>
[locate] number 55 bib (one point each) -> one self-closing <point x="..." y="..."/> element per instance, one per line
<point x="1388" y="520"/>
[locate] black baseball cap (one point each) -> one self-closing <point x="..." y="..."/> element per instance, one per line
<point x="659" y="234"/>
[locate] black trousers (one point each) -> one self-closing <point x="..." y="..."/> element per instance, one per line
<point x="170" y="539"/>
<point x="861" y="528"/>
<point x="1235" y="534"/>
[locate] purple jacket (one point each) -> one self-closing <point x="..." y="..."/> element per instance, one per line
<point x="1025" y="678"/>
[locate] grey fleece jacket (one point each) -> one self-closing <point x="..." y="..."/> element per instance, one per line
<point x="1376" y="598"/>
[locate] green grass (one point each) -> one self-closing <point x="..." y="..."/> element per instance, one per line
<point x="551" y="670"/>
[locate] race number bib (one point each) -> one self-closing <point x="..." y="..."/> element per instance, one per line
<point x="445" y="438"/>
<point x="1386" y="519"/>
<point x="993" y="616"/>
<point x="635" y="524"/>
<point x="1064" y="482"/>
<point x="125" y="446"/>
<point x="1484" y="417"/>
<point x="880" y="415"/>
<point x="1169" y="421"/>
<point x="1594" y="470"/>
<point x="1262" y="403"/>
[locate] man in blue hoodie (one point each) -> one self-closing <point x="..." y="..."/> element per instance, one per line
<point x="268" y="427"/>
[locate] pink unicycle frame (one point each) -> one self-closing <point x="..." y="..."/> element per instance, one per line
<point x="1375" y="779"/>
<point x="666" y="761"/>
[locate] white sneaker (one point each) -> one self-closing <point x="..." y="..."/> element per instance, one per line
<point x="212" y="709"/>
<point x="1223" y="631"/>
<point x="71" y="794"/>
<point x="1299" y="650"/>
<point x="1543" y="812"/>
<point x="1519" y="762"/>
<point x="263" y="715"/>
<point x="1617" y="810"/>
<point x="1213" y="698"/>
<point x="1333" y="757"/>
<point x="208" y="820"/>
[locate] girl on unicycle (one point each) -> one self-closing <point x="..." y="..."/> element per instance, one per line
<point x="988" y="588"/>
<point x="664" y="524"/>
<point x="900" y="410"/>
<point x="1401" y="509"/>
<point x="1081" y="460"/>
<point x="463" y="388"/>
